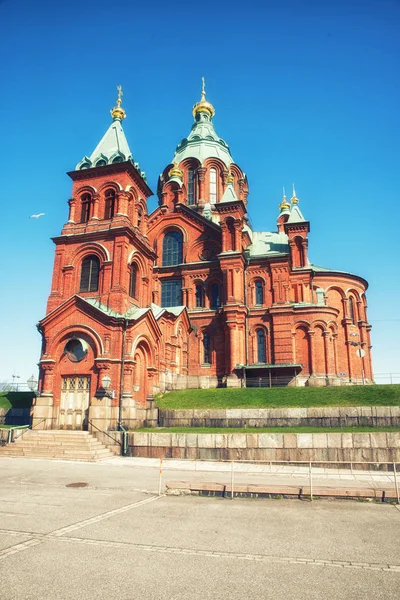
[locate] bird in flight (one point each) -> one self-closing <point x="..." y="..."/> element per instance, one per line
<point x="37" y="216"/>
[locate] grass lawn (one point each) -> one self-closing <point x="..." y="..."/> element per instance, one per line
<point x="357" y="395"/>
<point x="265" y="429"/>
<point x="15" y="400"/>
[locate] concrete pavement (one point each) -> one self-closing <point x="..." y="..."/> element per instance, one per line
<point x="115" y="537"/>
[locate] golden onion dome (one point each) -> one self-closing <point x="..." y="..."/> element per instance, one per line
<point x="176" y="172"/>
<point x="203" y="105"/>
<point x="284" y="205"/>
<point x="118" y="112"/>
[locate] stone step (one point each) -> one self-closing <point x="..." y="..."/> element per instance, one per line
<point x="58" y="432"/>
<point x="58" y="444"/>
<point x="67" y="443"/>
<point x="49" y="453"/>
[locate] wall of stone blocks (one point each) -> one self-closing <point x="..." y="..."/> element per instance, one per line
<point x="380" y="447"/>
<point x="347" y="416"/>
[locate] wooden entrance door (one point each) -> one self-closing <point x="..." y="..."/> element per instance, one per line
<point x="74" y="405"/>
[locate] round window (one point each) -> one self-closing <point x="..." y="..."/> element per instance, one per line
<point x="76" y="350"/>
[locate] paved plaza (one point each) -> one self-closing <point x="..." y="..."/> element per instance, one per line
<point x="116" y="537"/>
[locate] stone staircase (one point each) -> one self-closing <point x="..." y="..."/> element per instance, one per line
<point x="57" y="444"/>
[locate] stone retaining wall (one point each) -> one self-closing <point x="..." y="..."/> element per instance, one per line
<point x="346" y="416"/>
<point x="15" y="416"/>
<point x="317" y="447"/>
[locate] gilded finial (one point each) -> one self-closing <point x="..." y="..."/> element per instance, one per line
<point x="284" y="205"/>
<point x="230" y="178"/>
<point x="294" y="199"/>
<point x="118" y="112"/>
<point x="203" y="105"/>
<point x="175" y="171"/>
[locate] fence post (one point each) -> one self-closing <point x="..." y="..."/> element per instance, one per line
<point x="232" y="464"/>
<point x="311" y="490"/>
<point x="160" y="478"/>
<point x="396" y="485"/>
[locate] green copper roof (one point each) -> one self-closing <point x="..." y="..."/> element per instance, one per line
<point x="295" y="215"/>
<point x="267" y="243"/>
<point x="229" y="194"/>
<point x="203" y="142"/>
<point x="112" y="148"/>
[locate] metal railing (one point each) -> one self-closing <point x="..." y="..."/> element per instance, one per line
<point x="105" y="433"/>
<point x="311" y="472"/>
<point x="10" y="437"/>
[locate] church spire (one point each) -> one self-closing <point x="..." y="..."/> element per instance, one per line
<point x="113" y="146"/>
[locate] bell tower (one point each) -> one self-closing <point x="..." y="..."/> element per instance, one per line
<point x="103" y="253"/>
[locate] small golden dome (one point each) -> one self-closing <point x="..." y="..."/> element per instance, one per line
<point x="284" y="205"/>
<point x="176" y="172"/>
<point x="203" y="105"/>
<point x="118" y="112"/>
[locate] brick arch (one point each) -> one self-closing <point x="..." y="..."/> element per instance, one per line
<point x="352" y="292"/>
<point x="302" y="346"/>
<point x="319" y="356"/>
<point x="84" y="331"/>
<point x="86" y="189"/>
<point x="110" y="185"/>
<point x="143" y="356"/>
<point x="335" y="297"/>
<point x="92" y="248"/>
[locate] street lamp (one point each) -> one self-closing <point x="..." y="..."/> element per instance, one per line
<point x="32" y="383"/>
<point x="105" y="384"/>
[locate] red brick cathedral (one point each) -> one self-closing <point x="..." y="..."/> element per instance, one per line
<point x="189" y="295"/>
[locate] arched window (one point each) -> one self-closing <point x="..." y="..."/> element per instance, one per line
<point x="171" y="292"/>
<point x="172" y="249"/>
<point x="261" y="347"/>
<point x="109" y="210"/>
<point x="191" y="186"/>
<point x="90" y="274"/>
<point x="213" y="186"/>
<point x="101" y="163"/>
<point x="259" y="292"/>
<point x="215" y="300"/>
<point x="86" y="201"/>
<point x="199" y="296"/>
<point x="118" y="159"/>
<point x="139" y="216"/>
<point x="206" y="348"/>
<point x="133" y="280"/>
<point x="351" y="309"/>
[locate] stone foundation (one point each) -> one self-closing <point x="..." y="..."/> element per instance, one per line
<point x="316" y="447"/>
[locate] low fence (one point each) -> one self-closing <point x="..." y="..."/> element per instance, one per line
<point x="362" y="485"/>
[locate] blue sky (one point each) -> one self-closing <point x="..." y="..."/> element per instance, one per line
<point x="305" y="91"/>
